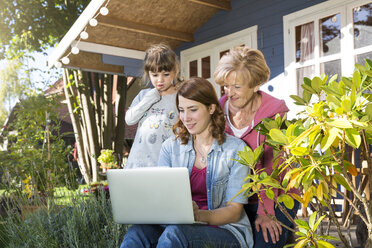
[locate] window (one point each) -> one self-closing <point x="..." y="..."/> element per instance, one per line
<point x="327" y="38"/>
<point x="202" y="60"/>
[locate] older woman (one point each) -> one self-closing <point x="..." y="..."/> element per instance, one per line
<point x="242" y="71"/>
<point x="201" y="145"/>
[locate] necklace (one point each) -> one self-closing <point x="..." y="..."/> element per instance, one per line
<point x="203" y="160"/>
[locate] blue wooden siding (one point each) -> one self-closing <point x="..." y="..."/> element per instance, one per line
<point x="132" y="67"/>
<point x="267" y="15"/>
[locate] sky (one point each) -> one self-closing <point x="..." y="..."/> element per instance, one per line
<point x="41" y="78"/>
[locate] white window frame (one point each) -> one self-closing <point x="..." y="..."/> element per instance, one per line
<point x="313" y="14"/>
<point x="247" y="37"/>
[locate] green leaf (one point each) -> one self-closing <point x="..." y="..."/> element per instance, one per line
<point x="270" y="194"/>
<point x="287" y="200"/>
<point x="341" y="180"/>
<point x="316" y="84"/>
<point x="318" y="222"/>
<point x="298" y="100"/>
<point x="325" y="244"/>
<point x="307" y="96"/>
<point x="300" y="151"/>
<point x="328" y="140"/>
<point x="353" y="137"/>
<point x="357" y="79"/>
<point x="368" y="111"/>
<point x="301" y="244"/>
<point x="333" y="99"/>
<point x="258" y="153"/>
<point x="278" y="136"/>
<point x="312" y="220"/>
<point x="346" y="105"/>
<point x="302" y="223"/>
<point x="333" y="78"/>
<point x="340" y="123"/>
<point x="308" y="88"/>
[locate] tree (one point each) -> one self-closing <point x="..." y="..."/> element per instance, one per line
<point x="12" y="86"/>
<point x="337" y="117"/>
<point x="34" y="25"/>
<point x="97" y="118"/>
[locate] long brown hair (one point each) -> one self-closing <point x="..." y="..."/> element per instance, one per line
<point x="201" y="90"/>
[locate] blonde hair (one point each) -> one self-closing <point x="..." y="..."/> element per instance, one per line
<point x="160" y="57"/>
<point x="246" y="62"/>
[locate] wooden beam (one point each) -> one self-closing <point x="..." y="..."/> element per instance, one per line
<point x="92" y="62"/>
<point x="218" y="4"/>
<point x="145" y="29"/>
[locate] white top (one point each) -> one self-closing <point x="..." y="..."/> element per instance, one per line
<point x="237" y="132"/>
<point x="155" y="116"/>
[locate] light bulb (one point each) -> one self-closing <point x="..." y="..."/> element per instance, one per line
<point x="75" y="50"/>
<point x="58" y="64"/>
<point x="104" y="11"/>
<point x="65" y="60"/>
<point x="84" y="35"/>
<point x="93" y="22"/>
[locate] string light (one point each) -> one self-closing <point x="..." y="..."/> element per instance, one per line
<point x="83" y="36"/>
<point x="104" y="11"/>
<point x="75" y="50"/>
<point x="93" y="22"/>
<point x="65" y="60"/>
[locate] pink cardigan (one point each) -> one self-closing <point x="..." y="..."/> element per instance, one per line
<point x="270" y="106"/>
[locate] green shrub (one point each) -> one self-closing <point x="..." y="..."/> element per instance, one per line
<point x="87" y="222"/>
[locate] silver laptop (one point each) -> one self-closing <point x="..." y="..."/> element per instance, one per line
<point x="153" y="195"/>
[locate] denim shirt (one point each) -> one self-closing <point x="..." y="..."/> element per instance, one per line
<point x="224" y="177"/>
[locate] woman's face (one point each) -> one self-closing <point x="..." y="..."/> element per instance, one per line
<point x="162" y="81"/>
<point x="238" y="90"/>
<point x="195" y="116"/>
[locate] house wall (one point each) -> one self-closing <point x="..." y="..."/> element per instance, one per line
<point x="267" y="15"/>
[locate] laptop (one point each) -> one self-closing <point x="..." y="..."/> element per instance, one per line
<point x="151" y="195"/>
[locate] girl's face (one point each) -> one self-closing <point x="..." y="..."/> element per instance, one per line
<point x="195" y="116"/>
<point x="163" y="81"/>
<point x="238" y="91"/>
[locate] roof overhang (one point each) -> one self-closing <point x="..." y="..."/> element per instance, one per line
<point x="130" y="28"/>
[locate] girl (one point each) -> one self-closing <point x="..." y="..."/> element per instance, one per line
<point x="154" y="109"/>
<point x="202" y="146"/>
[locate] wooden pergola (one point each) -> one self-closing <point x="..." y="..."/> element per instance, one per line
<point x="130" y="28"/>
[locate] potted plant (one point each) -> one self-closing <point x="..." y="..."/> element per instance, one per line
<point x="107" y="160"/>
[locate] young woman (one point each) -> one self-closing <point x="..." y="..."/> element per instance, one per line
<point x="242" y="71"/>
<point x="154" y="109"/>
<point x="201" y="145"/>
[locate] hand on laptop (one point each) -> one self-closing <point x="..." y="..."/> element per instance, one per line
<point x="196" y="211"/>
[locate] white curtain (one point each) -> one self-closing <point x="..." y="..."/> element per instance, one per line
<point x="306" y="52"/>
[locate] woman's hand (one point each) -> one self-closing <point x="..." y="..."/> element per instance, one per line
<point x="196" y="211"/>
<point x="265" y="223"/>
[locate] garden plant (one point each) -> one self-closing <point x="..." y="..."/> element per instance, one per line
<point x="311" y="153"/>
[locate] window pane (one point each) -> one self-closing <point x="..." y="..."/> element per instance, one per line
<point x="331" y="68"/>
<point x="193" y="68"/>
<point x="307" y="71"/>
<point x="305" y="42"/>
<point x="206" y="67"/>
<point x="363" y="25"/>
<point x="359" y="59"/>
<point x="330" y="35"/>
<point x="223" y="53"/>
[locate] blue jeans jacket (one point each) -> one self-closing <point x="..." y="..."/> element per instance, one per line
<point x="224" y="177"/>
